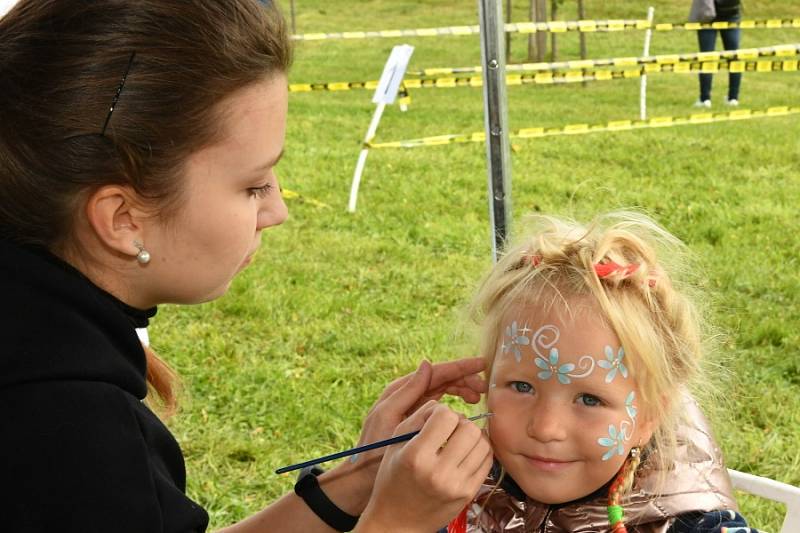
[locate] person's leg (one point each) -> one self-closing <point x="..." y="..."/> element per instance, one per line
<point x="731" y="40"/>
<point x="707" y="40"/>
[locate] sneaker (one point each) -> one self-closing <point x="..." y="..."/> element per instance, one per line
<point x="703" y="103"/>
<point x="733" y="103"/>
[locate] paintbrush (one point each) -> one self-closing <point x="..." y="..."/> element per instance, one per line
<point x="364" y="448"/>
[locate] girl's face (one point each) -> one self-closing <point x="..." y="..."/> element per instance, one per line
<point x="566" y="408"/>
<point x="231" y="195"/>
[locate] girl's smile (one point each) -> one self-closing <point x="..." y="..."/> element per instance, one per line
<point x="546" y="464"/>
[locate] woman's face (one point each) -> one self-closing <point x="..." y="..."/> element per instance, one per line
<point x="564" y="403"/>
<point x="231" y="195"/>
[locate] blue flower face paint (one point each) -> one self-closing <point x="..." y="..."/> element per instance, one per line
<point x="614" y="363"/>
<point x="515" y="340"/>
<point x="615" y="442"/>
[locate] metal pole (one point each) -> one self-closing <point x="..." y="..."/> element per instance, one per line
<point x="508" y="34"/>
<point x="294" y="26"/>
<point x="498" y="153"/>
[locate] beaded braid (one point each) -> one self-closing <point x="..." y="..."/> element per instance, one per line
<point x="620" y="484"/>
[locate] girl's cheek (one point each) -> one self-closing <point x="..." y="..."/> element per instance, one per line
<point x="504" y="402"/>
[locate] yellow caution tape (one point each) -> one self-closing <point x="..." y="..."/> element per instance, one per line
<point x="558" y="26"/>
<point x="579" y="129"/>
<point x="293" y="195"/>
<point x="783" y="50"/>
<point x="572" y="76"/>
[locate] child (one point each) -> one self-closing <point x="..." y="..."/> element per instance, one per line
<point x="592" y="346"/>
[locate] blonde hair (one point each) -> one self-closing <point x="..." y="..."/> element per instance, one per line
<point x="642" y="294"/>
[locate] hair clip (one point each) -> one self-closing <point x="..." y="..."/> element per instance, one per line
<point x="119" y="91"/>
<point x="603" y="270"/>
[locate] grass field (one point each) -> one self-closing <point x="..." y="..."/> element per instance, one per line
<point x="284" y="367"/>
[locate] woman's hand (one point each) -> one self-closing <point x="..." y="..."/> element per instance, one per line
<point x="400" y="399"/>
<point x="425" y="482"/>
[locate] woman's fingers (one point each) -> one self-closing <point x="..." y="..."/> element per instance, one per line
<point x="434" y="474"/>
<point x="466" y="448"/>
<point x="459" y="377"/>
<point x="462" y="373"/>
<point x="474" y="464"/>
<point x="439" y="423"/>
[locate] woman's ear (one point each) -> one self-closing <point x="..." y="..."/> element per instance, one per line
<point x="116" y="220"/>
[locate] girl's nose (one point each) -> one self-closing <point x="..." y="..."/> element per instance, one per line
<point x="547" y="423"/>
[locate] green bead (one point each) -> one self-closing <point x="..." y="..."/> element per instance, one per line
<point x="614" y="514"/>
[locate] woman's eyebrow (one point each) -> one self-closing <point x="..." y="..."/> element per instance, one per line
<point x="269" y="164"/>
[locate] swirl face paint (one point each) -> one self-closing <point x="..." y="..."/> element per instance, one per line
<point x="564" y="403"/>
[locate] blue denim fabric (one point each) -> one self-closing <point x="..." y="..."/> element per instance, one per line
<point x="707" y="39"/>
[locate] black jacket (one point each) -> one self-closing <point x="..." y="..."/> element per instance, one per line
<point x="79" y="451"/>
<point x="728" y="10"/>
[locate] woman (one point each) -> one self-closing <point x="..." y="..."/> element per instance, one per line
<point x="723" y="11"/>
<point x="138" y="142"/>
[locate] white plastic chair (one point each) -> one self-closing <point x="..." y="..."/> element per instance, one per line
<point x="770" y="489"/>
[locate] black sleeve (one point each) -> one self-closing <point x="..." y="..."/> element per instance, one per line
<point x="711" y="522"/>
<point x="73" y="458"/>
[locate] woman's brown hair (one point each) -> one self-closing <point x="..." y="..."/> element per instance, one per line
<point x="61" y="66"/>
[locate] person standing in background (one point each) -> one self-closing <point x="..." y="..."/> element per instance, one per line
<point x="717" y="11"/>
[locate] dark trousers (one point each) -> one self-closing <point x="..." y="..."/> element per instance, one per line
<point x="708" y="41"/>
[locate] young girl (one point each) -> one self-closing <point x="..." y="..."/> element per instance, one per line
<point x="592" y="345"/>
<point x="138" y="141"/>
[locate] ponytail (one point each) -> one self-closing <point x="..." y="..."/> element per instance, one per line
<point x="161" y="384"/>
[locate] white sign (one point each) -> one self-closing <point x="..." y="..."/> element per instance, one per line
<point x="393" y="74"/>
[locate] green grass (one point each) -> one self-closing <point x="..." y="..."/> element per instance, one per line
<point x="285" y="366"/>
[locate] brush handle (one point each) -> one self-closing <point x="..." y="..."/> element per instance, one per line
<point x="359" y="449"/>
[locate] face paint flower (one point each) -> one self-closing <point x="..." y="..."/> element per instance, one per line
<point x="550" y="368"/>
<point x="629" y="405"/>
<point x="614" y="443"/>
<point x="614" y="363"/>
<point x="516" y="339"/>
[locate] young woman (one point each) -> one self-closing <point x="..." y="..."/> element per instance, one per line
<point x="138" y="142"/>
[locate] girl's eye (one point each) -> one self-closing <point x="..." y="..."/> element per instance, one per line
<point x="590" y="400"/>
<point x="260" y="192"/>
<point x="521" y="386"/>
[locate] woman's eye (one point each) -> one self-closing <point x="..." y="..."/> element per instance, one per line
<point x="590" y="400"/>
<point x="521" y="386"/>
<point x="260" y="192"/>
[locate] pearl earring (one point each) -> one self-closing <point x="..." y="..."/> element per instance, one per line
<point x="143" y="256"/>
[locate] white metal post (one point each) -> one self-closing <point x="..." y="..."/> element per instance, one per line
<point x="385" y="93"/>
<point x="362" y="157"/>
<point x="643" y="88"/>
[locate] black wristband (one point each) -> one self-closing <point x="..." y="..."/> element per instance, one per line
<point x="309" y="490"/>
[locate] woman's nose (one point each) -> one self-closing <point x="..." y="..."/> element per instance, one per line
<point x="272" y="209"/>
